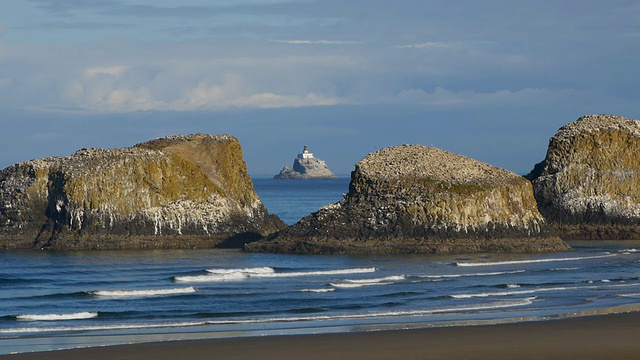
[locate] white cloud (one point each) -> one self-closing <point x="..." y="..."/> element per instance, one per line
<point x="427" y="45"/>
<point x="115" y="94"/>
<point x="316" y="42"/>
<point x="442" y="97"/>
<point x="107" y="70"/>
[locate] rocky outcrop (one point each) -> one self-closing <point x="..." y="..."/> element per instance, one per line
<point x="588" y="186"/>
<point x="417" y="199"/>
<point x="174" y="192"/>
<point x="305" y="167"/>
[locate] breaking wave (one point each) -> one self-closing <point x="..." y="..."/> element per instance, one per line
<point x="218" y="275"/>
<point x="57" y="317"/>
<point x="533" y="261"/>
<point x="143" y="293"/>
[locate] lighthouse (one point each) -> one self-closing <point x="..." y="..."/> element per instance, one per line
<point x="305" y="153"/>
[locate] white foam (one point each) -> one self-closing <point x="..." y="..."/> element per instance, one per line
<point x="628" y="251"/>
<point x="534" y="261"/>
<point x="143" y="293"/>
<point x="489" y="306"/>
<point x="212" y="278"/>
<point x="260" y="273"/>
<point x="99" y="327"/>
<point x="318" y="290"/>
<point x="57" y="317"/>
<point x="377" y="280"/>
<point x="513" y="286"/>
<point x="315" y="273"/>
<point x="537" y="290"/>
<point x="256" y="270"/>
<point x="474" y="274"/>
<point x="356" y="283"/>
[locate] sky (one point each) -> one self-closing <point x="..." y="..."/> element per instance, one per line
<point x="492" y="80"/>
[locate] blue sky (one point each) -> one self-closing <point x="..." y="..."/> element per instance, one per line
<point x="492" y="80"/>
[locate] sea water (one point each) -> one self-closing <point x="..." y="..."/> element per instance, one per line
<point x="55" y="300"/>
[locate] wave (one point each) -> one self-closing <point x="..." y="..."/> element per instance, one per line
<point x="358" y="316"/>
<point x="534" y="261"/>
<point x="143" y="293"/>
<point x="211" y="278"/>
<point x="377" y="280"/>
<point x="316" y="273"/>
<point x="255" y="270"/>
<point x="241" y="274"/>
<point x="473" y="274"/>
<point x="318" y="290"/>
<point x="57" y="317"/>
<point x="628" y="251"/>
<point x="356" y="283"/>
<point x="538" y="290"/>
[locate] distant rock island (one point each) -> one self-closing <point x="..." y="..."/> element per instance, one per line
<point x="588" y="185"/>
<point x="306" y="166"/>
<point x="418" y="199"/>
<point x="173" y="192"/>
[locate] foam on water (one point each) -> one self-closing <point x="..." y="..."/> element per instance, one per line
<point x="377" y="280"/>
<point x="315" y="273"/>
<point x="537" y="290"/>
<point x="357" y="283"/>
<point x="473" y="274"/>
<point x="357" y="316"/>
<point x="513" y="262"/>
<point x="143" y="293"/>
<point x="255" y="270"/>
<point x="318" y="290"/>
<point x="57" y="317"/>
<point x="243" y="274"/>
<point x="236" y="276"/>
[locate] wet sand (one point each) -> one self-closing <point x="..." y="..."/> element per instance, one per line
<point x="614" y="336"/>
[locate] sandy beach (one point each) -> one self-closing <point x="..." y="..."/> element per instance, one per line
<point x="614" y="336"/>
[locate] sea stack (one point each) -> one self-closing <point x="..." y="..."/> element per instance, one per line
<point x="173" y="192"/>
<point x="306" y="166"/>
<point x="418" y="199"/>
<point x="588" y="185"/>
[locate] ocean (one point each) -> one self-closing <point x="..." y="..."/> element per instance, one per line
<point x="56" y="300"/>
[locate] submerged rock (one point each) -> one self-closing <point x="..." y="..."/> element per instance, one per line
<point x="306" y="166"/>
<point x="417" y="199"/>
<point x="174" y="192"/>
<point x="588" y="185"/>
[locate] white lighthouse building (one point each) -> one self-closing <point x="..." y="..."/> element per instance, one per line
<point x="305" y="154"/>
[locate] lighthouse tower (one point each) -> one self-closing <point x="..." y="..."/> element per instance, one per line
<point x="305" y="153"/>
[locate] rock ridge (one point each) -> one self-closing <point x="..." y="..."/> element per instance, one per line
<point x="418" y="199"/>
<point x="178" y="191"/>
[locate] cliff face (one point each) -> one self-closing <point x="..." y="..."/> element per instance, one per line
<point x="417" y="199"/>
<point x="588" y="185"/>
<point x="180" y="191"/>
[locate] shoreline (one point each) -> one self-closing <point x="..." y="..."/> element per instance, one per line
<point x="610" y="336"/>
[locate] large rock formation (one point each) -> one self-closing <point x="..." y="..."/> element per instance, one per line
<point x="305" y="167"/>
<point x="174" y="192"/>
<point x="417" y="199"/>
<point x="588" y="186"/>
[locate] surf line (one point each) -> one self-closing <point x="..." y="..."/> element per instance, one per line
<point x="534" y="261"/>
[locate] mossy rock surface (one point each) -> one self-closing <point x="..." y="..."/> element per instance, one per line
<point x="192" y="187"/>
<point x="588" y="185"/>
